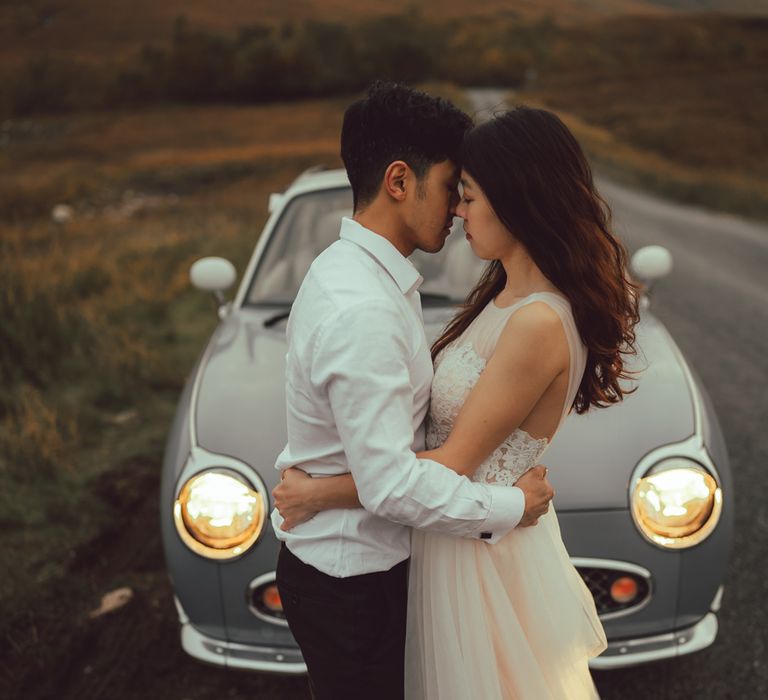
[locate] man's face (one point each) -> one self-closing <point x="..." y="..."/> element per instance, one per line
<point x="431" y="211"/>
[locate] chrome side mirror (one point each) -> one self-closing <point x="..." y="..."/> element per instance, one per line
<point x="651" y="263"/>
<point x="214" y="275"/>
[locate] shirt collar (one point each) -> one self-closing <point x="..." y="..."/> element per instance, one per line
<point x="401" y="269"/>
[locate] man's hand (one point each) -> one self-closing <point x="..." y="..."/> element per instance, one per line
<point x="538" y="493"/>
<point x="292" y="498"/>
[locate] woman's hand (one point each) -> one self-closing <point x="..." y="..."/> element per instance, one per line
<point x="293" y="498"/>
<point x="538" y="493"/>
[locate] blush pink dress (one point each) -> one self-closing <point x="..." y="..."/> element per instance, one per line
<point x="513" y="620"/>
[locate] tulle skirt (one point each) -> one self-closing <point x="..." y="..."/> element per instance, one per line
<point x="507" y="621"/>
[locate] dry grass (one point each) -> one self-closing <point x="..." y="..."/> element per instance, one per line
<point x="733" y="189"/>
<point x="694" y="133"/>
<point x="94" y="158"/>
<point x="100" y="325"/>
<point x="38" y="436"/>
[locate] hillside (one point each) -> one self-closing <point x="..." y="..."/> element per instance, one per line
<point x="740" y="7"/>
<point x="113" y="29"/>
<point x="110" y="29"/>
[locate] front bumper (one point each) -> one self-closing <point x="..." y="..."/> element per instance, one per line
<point x="233" y="655"/>
<point x="631" y="652"/>
<point x="619" y="654"/>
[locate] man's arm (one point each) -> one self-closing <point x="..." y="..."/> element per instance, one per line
<point x="298" y="497"/>
<point x="361" y="359"/>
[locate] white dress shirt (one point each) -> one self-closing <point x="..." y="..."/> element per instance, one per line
<point x="358" y="378"/>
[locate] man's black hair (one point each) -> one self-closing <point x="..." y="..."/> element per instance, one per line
<point x="394" y="122"/>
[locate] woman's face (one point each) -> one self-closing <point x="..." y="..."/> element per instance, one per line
<point x="488" y="237"/>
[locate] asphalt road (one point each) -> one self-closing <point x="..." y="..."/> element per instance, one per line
<point x="715" y="303"/>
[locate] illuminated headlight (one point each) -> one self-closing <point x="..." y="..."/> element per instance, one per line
<point x="218" y="514"/>
<point x="677" y="503"/>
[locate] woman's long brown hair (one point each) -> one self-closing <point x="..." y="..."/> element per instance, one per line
<point x="539" y="183"/>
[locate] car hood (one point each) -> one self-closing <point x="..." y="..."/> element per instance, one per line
<point x="240" y="409"/>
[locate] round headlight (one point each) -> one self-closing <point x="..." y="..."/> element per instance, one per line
<point x="677" y="503"/>
<point x="219" y="514"/>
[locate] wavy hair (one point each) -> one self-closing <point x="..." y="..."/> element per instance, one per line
<point x="539" y="183"/>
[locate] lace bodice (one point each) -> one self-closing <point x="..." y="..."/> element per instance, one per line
<point x="459" y="366"/>
<point x="459" y="369"/>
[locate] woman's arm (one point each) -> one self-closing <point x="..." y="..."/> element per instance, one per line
<point x="530" y="355"/>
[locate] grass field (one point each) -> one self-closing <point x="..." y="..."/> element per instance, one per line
<point x="99" y="328"/>
<point x="694" y="139"/>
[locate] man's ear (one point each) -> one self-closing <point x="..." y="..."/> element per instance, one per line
<point x="397" y="180"/>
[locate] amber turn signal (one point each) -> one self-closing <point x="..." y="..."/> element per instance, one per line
<point x="624" y="590"/>
<point x="271" y="599"/>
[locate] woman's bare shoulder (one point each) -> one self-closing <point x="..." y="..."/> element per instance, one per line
<point x="536" y="318"/>
<point x="535" y="331"/>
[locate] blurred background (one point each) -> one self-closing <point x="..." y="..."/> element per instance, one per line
<point x="137" y="137"/>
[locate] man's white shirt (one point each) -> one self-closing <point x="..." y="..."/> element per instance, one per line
<point x="358" y="379"/>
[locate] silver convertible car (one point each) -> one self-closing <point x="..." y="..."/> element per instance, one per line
<point x="644" y="489"/>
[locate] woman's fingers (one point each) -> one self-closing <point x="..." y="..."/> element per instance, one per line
<point x="289" y="498"/>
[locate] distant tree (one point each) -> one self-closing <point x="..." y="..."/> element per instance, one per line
<point x="48" y="84"/>
<point x="330" y="53"/>
<point x="258" y="68"/>
<point x="143" y="81"/>
<point x="200" y="67"/>
<point x="399" y="47"/>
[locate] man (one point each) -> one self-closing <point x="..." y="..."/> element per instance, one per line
<point x="358" y="382"/>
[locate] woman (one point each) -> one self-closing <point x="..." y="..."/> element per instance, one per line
<point x="544" y="331"/>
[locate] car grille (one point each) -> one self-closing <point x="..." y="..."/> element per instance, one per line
<point x="599" y="582"/>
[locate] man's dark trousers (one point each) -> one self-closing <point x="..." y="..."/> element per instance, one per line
<point x="351" y="630"/>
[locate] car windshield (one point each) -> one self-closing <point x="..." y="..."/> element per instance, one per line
<point x="310" y="223"/>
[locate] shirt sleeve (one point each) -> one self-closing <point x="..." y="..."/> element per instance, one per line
<point x="362" y="361"/>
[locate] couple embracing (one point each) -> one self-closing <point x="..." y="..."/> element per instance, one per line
<point x="421" y="557"/>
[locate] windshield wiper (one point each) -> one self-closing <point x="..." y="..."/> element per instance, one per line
<point x="432" y="298"/>
<point x="429" y="298"/>
<point x="280" y="316"/>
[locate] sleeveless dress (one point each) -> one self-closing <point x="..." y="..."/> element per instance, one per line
<point x="512" y="620"/>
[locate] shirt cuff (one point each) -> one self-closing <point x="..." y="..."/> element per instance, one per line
<point x="507" y="508"/>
